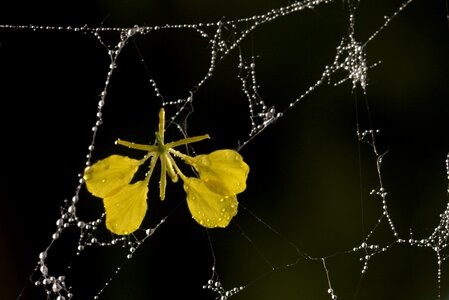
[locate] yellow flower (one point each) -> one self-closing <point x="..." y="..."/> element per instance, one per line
<point x="211" y="198"/>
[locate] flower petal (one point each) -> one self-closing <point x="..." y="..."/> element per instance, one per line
<point x="126" y="209"/>
<point x="107" y="176"/>
<point x="223" y="171"/>
<point x="208" y="208"/>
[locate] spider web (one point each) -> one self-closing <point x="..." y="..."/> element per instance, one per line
<point x="293" y="88"/>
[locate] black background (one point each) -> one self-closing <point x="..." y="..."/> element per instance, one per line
<point x="306" y="178"/>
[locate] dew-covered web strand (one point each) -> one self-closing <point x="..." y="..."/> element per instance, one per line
<point x="368" y="137"/>
<point x="359" y="161"/>
<point x="437" y="241"/>
<point x="214" y="284"/>
<point x="330" y="290"/>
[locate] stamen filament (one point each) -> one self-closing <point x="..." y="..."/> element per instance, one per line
<point x="187" y="141"/>
<point x="173" y="162"/>
<point x="163" y="179"/>
<point x="153" y="162"/>
<point x="149" y="148"/>
<point x="171" y="172"/>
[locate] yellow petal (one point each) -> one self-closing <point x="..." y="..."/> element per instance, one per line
<point x="223" y="171"/>
<point x="209" y="209"/>
<point x="126" y="209"/>
<point x="107" y="176"/>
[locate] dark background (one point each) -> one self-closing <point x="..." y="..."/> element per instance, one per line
<point x="306" y="180"/>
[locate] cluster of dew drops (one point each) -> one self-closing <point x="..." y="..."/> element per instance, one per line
<point x="216" y="287"/>
<point x="56" y="285"/>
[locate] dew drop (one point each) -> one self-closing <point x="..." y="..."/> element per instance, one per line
<point x="44" y="270"/>
<point x="205" y="161"/>
<point x="72" y="209"/>
<point x="43" y="255"/>
<point x="56" y="287"/>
